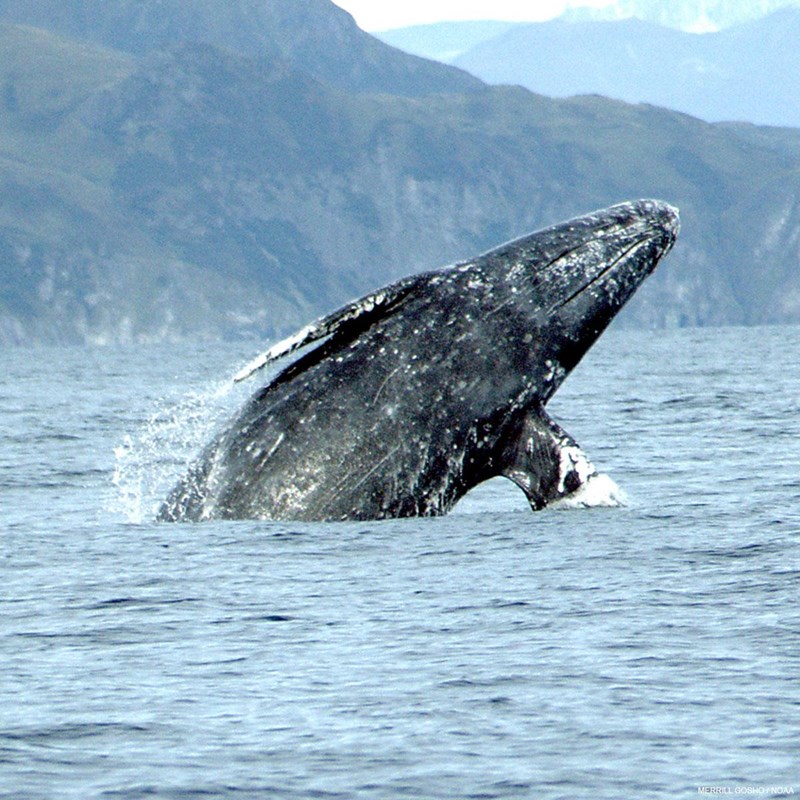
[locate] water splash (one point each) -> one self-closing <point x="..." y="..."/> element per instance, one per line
<point x="148" y="462"/>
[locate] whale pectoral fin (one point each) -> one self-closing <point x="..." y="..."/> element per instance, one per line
<point x="546" y="462"/>
<point x="357" y="315"/>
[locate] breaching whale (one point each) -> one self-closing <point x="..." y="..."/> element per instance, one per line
<point x="420" y="391"/>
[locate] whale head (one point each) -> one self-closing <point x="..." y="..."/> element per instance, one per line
<point x="576" y="276"/>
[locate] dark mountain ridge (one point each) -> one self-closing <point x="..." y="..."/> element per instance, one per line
<point x="314" y="35"/>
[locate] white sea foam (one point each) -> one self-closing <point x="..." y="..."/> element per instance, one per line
<point x="149" y="460"/>
<point x="599" y="491"/>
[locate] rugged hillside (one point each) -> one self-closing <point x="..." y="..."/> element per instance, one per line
<point x="315" y="35"/>
<point x="196" y="191"/>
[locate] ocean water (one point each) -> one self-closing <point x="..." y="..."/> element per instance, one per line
<point x="649" y="651"/>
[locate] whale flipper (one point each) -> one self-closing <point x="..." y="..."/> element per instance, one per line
<point x="546" y="462"/>
<point x="355" y="316"/>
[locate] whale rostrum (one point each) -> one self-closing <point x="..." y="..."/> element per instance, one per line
<point x="416" y="393"/>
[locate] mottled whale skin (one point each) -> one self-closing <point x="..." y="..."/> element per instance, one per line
<point x="420" y="391"/>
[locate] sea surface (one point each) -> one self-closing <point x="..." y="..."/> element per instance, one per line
<point x="650" y="651"/>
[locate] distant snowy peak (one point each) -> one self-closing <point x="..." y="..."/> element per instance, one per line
<point x="447" y="41"/>
<point x="746" y="73"/>
<point x="692" y="16"/>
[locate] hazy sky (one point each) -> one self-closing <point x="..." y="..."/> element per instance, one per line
<point x="377" y="15"/>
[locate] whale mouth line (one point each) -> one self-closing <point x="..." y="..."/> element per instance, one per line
<point x="605" y="271"/>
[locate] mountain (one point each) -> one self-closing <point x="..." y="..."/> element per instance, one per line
<point x="315" y="34"/>
<point x="446" y="41"/>
<point x="194" y="190"/>
<point x="750" y="72"/>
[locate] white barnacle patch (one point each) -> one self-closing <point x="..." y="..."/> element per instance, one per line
<point x="373" y="300"/>
<point x="573" y="465"/>
<point x="516" y="273"/>
<point x="290" y="342"/>
<point x="281" y="348"/>
<point x="554" y="372"/>
<point x="313" y="331"/>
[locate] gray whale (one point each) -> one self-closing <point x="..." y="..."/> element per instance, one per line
<point x="420" y="391"/>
